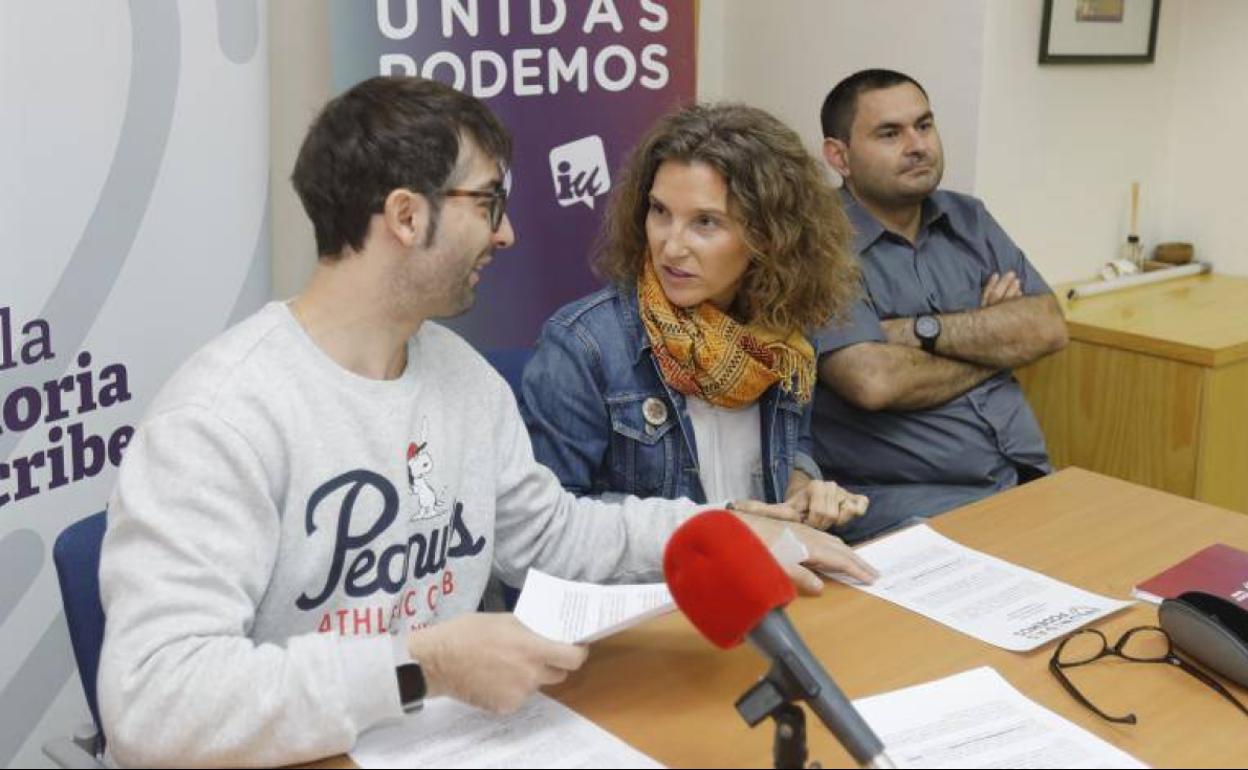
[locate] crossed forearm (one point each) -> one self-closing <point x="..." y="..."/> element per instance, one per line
<point x="877" y="376"/>
<point x="1003" y="336"/>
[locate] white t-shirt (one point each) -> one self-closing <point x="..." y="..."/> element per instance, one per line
<point x="730" y="452"/>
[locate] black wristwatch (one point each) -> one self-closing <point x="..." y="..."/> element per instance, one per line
<point x="412" y="686"/>
<point x="927" y="329"/>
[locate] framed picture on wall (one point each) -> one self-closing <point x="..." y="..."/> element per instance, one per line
<point x="1099" y="31"/>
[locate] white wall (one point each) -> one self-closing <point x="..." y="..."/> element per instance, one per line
<point x="299" y="71"/>
<point x="1060" y="144"/>
<point x="712" y="25"/>
<point x="785" y="56"/>
<point x="1206" y="199"/>
<point x="1052" y="150"/>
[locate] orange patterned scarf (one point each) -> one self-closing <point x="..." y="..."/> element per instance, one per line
<point x="703" y="352"/>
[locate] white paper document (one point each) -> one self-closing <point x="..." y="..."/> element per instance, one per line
<point x="450" y="734"/>
<point x="580" y="613"/>
<point x="976" y="719"/>
<point x="980" y="595"/>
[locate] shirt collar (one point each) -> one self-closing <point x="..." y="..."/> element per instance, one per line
<point x="630" y="311"/>
<point x="868" y="230"/>
<point x="934" y="210"/>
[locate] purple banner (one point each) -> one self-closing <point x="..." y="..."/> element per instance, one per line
<point x="577" y="82"/>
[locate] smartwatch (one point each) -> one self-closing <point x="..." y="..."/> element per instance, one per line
<point x="927" y="329"/>
<point x="412" y="687"/>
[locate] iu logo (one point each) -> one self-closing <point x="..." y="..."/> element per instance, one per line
<point x="579" y="170"/>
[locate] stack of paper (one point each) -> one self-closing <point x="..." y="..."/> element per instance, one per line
<point x="580" y="613"/>
<point x="976" y="719"/>
<point x="980" y="595"/>
<point x="450" y="734"/>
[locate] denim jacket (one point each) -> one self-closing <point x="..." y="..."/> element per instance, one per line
<point x="582" y="398"/>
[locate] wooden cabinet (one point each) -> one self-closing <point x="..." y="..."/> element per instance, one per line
<point x="1153" y="388"/>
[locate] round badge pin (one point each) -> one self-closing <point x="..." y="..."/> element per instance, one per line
<point x="654" y="410"/>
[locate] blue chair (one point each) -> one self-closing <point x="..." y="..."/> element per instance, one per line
<point x="510" y="363"/>
<point x="76" y="555"/>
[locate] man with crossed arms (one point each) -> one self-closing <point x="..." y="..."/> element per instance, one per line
<point x="917" y="407"/>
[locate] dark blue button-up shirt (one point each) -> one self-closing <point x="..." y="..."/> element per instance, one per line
<point x="977" y="440"/>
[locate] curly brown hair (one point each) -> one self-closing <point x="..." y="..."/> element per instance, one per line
<point x="801" y="271"/>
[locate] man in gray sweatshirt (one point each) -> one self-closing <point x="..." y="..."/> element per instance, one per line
<point x="305" y="522"/>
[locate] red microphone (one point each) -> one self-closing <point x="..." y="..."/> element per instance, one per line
<point x="722" y="577"/>
<point x="730" y="587"/>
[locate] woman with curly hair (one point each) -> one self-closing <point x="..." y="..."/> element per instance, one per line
<point x="690" y="375"/>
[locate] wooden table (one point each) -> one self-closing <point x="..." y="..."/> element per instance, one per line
<point x="1153" y="388"/>
<point x="665" y="690"/>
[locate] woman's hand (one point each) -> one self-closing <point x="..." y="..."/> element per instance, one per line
<point x="825" y="504"/>
<point x="825" y="554"/>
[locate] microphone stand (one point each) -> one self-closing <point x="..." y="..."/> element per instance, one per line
<point x="765" y="699"/>
<point x="774" y="696"/>
<point x="788" y="749"/>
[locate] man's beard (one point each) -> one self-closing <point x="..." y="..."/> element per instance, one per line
<point x="463" y="297"/>
<point x="465" y="300"/>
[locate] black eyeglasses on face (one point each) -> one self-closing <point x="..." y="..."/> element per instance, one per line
<point x="496" y="196"/>
<point x="1143" y="644"/>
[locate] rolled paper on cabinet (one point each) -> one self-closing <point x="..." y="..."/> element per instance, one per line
<point x="1126" y="282"/>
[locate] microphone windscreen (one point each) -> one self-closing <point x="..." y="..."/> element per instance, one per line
<point x="723" y="577"/>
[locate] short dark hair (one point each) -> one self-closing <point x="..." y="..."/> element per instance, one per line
<point x="385" y="133"/>
<point x="841" y="103"/>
